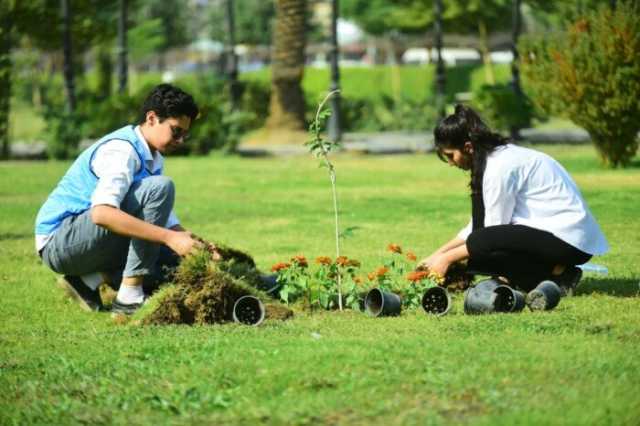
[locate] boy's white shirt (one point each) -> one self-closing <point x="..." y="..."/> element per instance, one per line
<point x="522" y="186"/>
<point x="115" y="163"/>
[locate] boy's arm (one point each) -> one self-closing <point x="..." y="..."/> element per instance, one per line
<point x="119" y="222"/>
<point x="115" y="164"/>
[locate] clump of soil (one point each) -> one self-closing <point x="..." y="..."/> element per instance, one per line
<point x="457" y="278"/>
<point x="204" y="291"/>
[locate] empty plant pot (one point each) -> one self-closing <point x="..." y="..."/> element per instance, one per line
<point x="248" y="310"/>
<point x="382" y="304"/>
<point x="544" y="297"/>
<point x="508" y="299"/>
<point x="436" y="300"/>
<point x="480" y="299"/>
<point x="270" y="285"/>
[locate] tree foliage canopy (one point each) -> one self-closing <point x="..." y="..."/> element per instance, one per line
<point x="590" y="73"/>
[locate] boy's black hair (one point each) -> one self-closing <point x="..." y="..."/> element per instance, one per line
<point x="169" y="101"/>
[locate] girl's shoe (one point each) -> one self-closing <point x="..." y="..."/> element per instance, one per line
<point x="568" y="280"/>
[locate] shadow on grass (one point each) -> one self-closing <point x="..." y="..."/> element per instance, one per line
<point x="619" y="287"/>
<point x="13" y="236"/>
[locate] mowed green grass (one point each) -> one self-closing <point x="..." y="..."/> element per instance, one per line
<point x="579" y="364"/>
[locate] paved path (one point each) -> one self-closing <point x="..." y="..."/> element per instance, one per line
<point x="407" y="142"/>
<point x="365" y="143"/>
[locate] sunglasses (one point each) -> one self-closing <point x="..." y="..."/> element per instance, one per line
<point x="178" y="132"/>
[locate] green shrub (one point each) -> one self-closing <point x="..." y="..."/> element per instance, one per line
<point x="499" y="104"/>
<point x="62" y="133"/>
<point x="590" y="73"/>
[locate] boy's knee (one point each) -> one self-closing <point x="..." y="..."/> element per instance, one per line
<point x="162" y="185"/>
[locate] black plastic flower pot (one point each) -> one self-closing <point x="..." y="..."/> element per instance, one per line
<point x="248" y="310"/>
<point x="544" y="297"/>
<point x="508" y="299"/>
<point x="379" y="303"/>
<point x="481" y="298"/>
<point x="436" y="301"/>
<point x="270" y="285"/>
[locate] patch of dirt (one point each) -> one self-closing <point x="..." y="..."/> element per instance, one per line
<point x="457" y="278"/>
<point x="204" y="291"/>
<point x="277" y="311"/>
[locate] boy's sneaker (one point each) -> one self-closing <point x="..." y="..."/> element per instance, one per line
<point x="568" y="280"/>
<point x="88" y="299"/>
<point x="119" y="308"/>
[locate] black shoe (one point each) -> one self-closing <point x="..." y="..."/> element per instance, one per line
<point x="119" y="308"/>
<point x="88" y="299"/>
<point x="568" y="280"/>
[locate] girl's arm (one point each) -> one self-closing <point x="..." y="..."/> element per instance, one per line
<point x="450" y="245"/>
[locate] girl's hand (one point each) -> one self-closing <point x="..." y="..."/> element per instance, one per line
<point x="425" y="264"/>
<point x="439" y="264"/>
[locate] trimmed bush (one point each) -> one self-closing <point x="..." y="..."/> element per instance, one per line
<point x="590" y="73"/>
<point x="500" y="105"/>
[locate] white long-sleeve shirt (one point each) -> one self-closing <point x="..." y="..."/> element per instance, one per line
<point x="522" y="186"/>
<point x="115" y="163"/>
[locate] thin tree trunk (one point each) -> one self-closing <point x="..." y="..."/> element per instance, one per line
<point x="6" y="27"/>
<point x="489" y="76"/>
<point x="105" y="70"/>
<point x="286" y="109"/>
<point x="123" y="66"/>
<point x="68" y="56"/>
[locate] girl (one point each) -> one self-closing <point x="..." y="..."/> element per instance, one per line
<point x="529" y="222"/>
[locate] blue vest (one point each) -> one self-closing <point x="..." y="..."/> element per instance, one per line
<point x="72" y="196"/>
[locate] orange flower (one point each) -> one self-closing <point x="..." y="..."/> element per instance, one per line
<point x="300" y="260"/>
<point x="394" y="248"/>
<point x="416" y="276"/>
<point x="280" y="266"/>
<point x="357" y="280"/>
<point x="371" y="276"/>
<point x="342" y="260"/>
<point x="411" y="256"/>
<point x="381" y="271"/>
<point x="323" y="260"/>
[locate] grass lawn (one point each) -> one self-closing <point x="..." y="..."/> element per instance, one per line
<point x="578" y="364"/>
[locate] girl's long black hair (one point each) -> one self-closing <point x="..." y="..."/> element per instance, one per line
<point x="465" y="125"/>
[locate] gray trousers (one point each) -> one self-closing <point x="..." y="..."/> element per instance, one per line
<point x="79" y="246"/>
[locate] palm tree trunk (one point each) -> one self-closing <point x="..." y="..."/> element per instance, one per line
<point x="286" y="109"/>
<point x="6" y="26"/>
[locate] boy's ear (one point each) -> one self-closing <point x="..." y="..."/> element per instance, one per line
<point x="151" y="117"/>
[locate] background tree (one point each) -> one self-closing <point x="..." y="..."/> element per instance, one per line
<point x="170" y="19"/>
<point x="253" y="21"/>
<point x="590" y="73"/>
<point x="7" y="10"/>
<point x="286" y="108"/>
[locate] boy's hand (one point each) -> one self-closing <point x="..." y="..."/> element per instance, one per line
<point x="215" y="255"/>
<point x="182" y="242"/>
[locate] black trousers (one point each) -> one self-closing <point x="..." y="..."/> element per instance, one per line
<point x="520" y="253"/>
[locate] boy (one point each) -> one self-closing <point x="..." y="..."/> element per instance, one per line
<point x="112" y="211"/>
